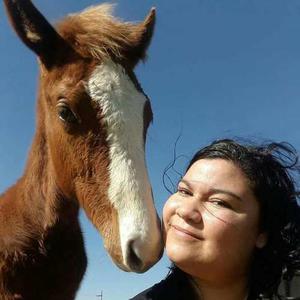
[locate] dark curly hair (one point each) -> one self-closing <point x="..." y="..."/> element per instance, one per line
<point x="272" y="171"/>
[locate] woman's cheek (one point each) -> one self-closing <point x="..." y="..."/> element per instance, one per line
<point x="164" y="232"/>
<point x="169" y="210"/>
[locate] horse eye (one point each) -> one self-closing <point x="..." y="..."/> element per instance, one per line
<point x="66" y="114"/>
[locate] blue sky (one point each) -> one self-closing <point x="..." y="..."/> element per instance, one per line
<point x="215" y="69"/>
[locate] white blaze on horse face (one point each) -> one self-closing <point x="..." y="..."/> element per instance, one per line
<point x="122" y="108"/>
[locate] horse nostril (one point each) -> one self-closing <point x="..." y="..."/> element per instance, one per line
<point x="134" y="262"/>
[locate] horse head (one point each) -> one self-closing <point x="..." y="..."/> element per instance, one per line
<point x="93" y="117"/>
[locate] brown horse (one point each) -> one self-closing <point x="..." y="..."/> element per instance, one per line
<point x="88" y="151"/>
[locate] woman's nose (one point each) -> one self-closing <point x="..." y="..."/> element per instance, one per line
<point x="189" y="213"/>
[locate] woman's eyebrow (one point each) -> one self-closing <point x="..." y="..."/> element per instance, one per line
<point x="186" y="182"/>
<point x="189" y="184"/>
<point x="220" y="191"/>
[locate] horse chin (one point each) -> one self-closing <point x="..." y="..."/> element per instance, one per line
<point x="134" y="264"/>
<point x="122" y="267"/>
<point x="133" y="268"/>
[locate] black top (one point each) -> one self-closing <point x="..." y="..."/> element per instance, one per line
<point x="171" y="288"/>
<point x="174" y="287"/>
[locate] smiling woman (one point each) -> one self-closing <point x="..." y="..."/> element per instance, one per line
<point x="232" y="226"/>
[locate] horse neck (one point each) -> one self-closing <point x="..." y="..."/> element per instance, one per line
<point x="39" y="185"/>
<point x="34" y="205"/>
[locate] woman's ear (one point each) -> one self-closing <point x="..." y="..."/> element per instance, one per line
<point x="261" y="240"/>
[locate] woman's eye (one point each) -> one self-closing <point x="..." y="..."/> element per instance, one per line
<point x="66" y="114"/>
<point x="220" y="203"/>
<point x="184" y="192"/>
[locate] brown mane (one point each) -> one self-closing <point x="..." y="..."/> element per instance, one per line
<point x="96" y="33"/>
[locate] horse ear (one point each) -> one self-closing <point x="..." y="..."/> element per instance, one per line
<point x="141" y="37"/>
<point x="33" y="29"/>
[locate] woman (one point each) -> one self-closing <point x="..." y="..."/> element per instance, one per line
<point x="232" y="227"/>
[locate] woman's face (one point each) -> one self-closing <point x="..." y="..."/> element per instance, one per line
<point x="211" y="223"/>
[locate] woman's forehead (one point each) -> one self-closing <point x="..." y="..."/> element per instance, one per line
<point x="217" y="173"/>
<point x="213" y="168"/>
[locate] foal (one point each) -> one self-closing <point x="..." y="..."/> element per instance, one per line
<point x="88" y="151"/>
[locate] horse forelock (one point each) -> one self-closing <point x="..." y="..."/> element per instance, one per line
<point x="96" y="33"/>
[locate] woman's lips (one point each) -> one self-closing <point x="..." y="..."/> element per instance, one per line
<point x="187" y="232"/>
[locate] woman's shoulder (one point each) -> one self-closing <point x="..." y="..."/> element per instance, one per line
<point x="160" y="291"/>
<point x="173" y="287"/>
